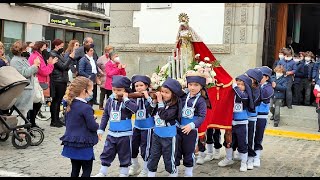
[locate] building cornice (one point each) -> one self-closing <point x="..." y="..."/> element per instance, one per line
<point x="62" y="10"/>
<point x="166" y="48"/>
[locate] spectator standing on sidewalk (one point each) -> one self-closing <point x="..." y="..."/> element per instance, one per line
<point x="113" y="67"/>
<point x="25" y="101"/>
<point x="43" y="73"/>
<point x="101" y="63"/>
<point x="59" y="80"/>
<point x="80" y="53"/>
<point x="88" y="66"/>
<point x="3" y="58"/>
<point x="72" y="46"/>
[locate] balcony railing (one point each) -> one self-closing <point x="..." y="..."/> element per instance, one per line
<point x="94" y="7"/>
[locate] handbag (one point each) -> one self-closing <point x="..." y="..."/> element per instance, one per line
<point x="46" y="88"/>
<point x="38" y="92"/>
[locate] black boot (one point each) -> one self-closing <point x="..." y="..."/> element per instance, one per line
<point x="55" y="124"/>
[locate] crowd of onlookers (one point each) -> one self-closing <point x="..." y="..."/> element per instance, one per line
<point x="298" y="74"/>
<point x="302" y="72"/>
<point x="53" y="69"/>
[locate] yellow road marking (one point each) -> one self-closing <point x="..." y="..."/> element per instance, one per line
<point x="293" y="134"/>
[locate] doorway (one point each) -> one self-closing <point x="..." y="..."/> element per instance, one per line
<point x="295" y="20"/>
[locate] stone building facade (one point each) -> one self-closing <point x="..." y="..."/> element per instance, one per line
<point x="241" y="49"/>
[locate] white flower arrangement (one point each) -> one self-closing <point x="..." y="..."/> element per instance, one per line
<point x="158" y="77"/>
<point x="203" y="68"/>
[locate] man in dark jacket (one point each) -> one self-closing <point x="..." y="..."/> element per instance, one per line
<point x="79" y="53"/>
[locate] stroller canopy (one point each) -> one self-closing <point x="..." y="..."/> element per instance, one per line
<point x="12" y="84"/>
<point x="9" y="75"/>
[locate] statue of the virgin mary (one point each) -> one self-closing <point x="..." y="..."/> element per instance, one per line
<point x="222" y="95"/>
<point x="185" y="38"/>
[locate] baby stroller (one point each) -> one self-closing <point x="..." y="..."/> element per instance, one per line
<point x="12" y="84"/>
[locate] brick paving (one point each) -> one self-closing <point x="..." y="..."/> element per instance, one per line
<point x="281" y="157"/>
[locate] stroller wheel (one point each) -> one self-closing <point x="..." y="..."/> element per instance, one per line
<point x="37" y="136"/>
<point x="4" y="136"/>
<point x="21" y="139"/>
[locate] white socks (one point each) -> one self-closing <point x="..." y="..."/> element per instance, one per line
<point x="258" y="153"/>
<point x="104" y="170"/>
<point x="145" y="168"/>
<point x="151" y="174"/>
<point x="124" y="171"/>
<point x="202" y="154"/>
<point x="229" y="152"/>
<point x="244" y="157"/>
<point x="209" y="148"/>
<point x="188" y="172"/>
<point x="134" y="161"/>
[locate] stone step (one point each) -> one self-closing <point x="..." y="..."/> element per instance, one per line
<point x="304" y="117"/>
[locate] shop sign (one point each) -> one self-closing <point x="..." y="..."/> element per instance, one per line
<point x="67" y="21"/>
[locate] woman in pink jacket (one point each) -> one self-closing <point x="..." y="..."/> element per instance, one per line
<point x="113" y="67"/>
<point x="43" y="73"/>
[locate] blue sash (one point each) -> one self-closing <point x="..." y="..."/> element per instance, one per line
<point x="122" y="125"/>
<point x="144" y="124"/>
<point x="185" y="121"/>
<point x="167" y="131"/>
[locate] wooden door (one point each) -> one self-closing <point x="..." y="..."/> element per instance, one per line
<point x="281" y="32"/>
<point x="269" y="39"/>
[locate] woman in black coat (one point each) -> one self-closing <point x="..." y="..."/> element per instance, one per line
<point x="58" y="80"/>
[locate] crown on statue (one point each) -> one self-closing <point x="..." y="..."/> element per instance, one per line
<point x="183" y="18"/>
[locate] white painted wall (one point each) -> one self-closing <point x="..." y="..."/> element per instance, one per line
<point x="160" y="26"/>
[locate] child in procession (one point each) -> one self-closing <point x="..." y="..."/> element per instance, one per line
<point x="143" y="126"/>
<point x="165" y="130"/>
<point x="118" y="112"/>
<point x="256" y="77"/>
<point x="193" y="114"/>
<point x="243" y="102"/>
<point x="263" y="111"/>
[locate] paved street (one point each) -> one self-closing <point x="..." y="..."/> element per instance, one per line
<point x="301" y="158"/>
